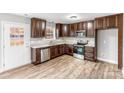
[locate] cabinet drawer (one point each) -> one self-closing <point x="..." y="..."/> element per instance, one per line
<point x="89" y="49"/>
<point x="89" y="54"/>
<point x="88" y="58"/>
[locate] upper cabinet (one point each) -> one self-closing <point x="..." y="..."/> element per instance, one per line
<point x="62" y="30"/>
<point x="90" y="29"/>
<point x="106" y="22"/>
<point x="69" y="30"/>
<point x="58" y="30"/>
<point x="72" y="28"/>
<point x="99" y="23"/>
<point x="65" y="32"/>
<point x="81" y="26"/>
<point x="38" y="27"/>
<point x="112" y="21"/>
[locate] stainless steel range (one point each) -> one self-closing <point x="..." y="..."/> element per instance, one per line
<point x="79" y="50"/>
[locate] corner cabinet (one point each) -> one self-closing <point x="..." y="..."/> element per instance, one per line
<point x="38" y="27"/>
<point x="69" y="49"/>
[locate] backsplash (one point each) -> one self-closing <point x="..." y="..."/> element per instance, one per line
<point x="66" y="40"/>
<point x="43" y="41"/>
<point x="73" y="40"/>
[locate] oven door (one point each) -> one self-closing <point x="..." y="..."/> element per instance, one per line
<point x="79" y="52"/>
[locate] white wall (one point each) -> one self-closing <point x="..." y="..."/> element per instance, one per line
<point x="11" y="18"/>
<point x="107" y="45"/>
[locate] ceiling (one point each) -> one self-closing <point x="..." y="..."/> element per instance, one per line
<point x="64" y="17"/>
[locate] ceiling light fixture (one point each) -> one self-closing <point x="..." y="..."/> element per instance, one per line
<point x="73" y="17"/>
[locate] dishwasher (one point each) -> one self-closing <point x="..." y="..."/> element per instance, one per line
<point x="45" y="54"/>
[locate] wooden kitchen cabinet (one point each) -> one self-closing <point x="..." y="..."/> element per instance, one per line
<point x="89" y="53"/>
<point x="38" y="27"/>
<point x="90" y="31"/>
<point x="61" y="49"/>
<point x="36" y="55"/>
<point x="53" y="52"/>
<point x="62" y="30"/>
<point x="58" y="30"/>
<point x="65" y="32"/>
<point x="106" y="22"/>
<point x="75" y="26"/>
<point x="69" y="49"/>
<point x="99" y="23"/>
<point x="82" y="26"/>
<point x="112" y="21"/>
<point x="71" y="30"/>
<point x="57" y="50"/>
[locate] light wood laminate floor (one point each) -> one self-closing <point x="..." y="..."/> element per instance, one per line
<point x="65" y="67"/>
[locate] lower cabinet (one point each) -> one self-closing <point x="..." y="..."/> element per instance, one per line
<point x="89" y="53"/>
<point x="53" y="52"/>
<point x="62" y="49"/>
<point x="57" y="50"/>
<point x="36" y="55"/>
<point x="69" y="49"/>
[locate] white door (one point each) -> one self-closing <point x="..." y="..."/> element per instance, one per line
<point x="18" y="54"/>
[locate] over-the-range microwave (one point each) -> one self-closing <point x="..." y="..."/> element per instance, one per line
<point x="81" y="33"/>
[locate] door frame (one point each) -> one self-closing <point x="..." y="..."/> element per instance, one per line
<point x="2" y="23"/>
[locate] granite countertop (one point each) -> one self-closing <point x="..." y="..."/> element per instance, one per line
<point x="44" y="46"/>
<point x="49" y="45"/>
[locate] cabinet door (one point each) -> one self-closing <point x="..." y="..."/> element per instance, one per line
<point x="38" y="56"/>
<point x="89" y="53"/>
<point x="42" y="27"/>
<point x="112" y="21"/>
<point x="71" y="30"/>
<point x="56" y="51"/>
<point x="52" y="52"/>
<point x="33" y="28"/>
<point x="59" y="30"/>
<point x="38" y="27"/>
<point x="99" y="23"/>
<point x="69" y="49"/>
<point x="81" y="26"/>
<point x="65" y="30"/>
<point x="75" y="26"/>
<point x="90" y="29"/>
<point x="61" y="49"/>
<point x="38" y="30"/>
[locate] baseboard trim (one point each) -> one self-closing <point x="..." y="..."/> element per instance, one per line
<point x="4" y="71"/>
<point x="123" y="71"/>
<point x="107" y="61"/>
